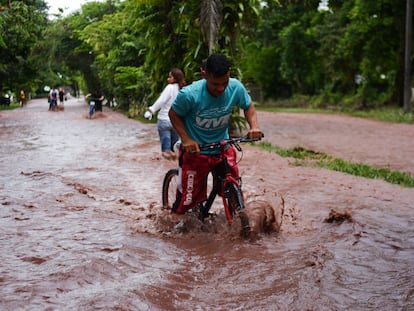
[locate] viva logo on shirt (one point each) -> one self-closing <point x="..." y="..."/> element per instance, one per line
<point x="213" y="123"/>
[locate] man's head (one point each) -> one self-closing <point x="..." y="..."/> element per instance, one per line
<point x="217" y="74"/>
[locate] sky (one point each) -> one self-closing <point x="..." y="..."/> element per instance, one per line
<point x="68" y="5"/>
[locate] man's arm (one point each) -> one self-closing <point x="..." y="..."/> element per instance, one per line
<point x="251" y="116"/>
<point x="188" y="143"/>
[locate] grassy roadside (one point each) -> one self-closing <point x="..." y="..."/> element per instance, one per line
<point x="306" y="157"/>
<point x="390" y="114"/>
<point x="11" y="107"/>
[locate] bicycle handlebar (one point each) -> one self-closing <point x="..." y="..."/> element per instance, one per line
<point x="230" y="141"/>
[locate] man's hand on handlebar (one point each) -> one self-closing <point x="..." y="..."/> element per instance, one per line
<point x="255" y="133"/>
<point x="191" y="146"/>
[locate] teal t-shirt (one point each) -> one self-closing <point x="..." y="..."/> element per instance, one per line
<point x="207" y="117"/>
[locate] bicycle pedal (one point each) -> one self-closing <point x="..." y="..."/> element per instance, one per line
<point x="210" y="215"/>
<point x="198" y="211"/>
<point x="202" y="216"/>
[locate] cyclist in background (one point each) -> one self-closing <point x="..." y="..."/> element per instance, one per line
<point x="97" y="97"/>
<point x="61" y="96"/>
<point x="200" y="114"/>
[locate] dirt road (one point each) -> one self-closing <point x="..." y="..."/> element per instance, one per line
<point x="376" y="143"/>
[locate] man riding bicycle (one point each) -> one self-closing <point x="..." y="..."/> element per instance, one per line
<point x="200" y="114"/>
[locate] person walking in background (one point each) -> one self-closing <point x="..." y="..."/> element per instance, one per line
<point x="53" y="95"/>
<point x="22" y="97"/>
<point x="61" y="96"/>
<point x="168" y="135"/>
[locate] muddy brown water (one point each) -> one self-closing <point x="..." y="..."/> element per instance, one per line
<point x="81" y="225"/>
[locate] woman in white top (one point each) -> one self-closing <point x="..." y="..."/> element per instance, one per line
<point x="168" y="136"/>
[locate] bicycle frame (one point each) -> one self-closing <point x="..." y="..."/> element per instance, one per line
<point x="224" y="184"/>
<point x="223" y="178"/>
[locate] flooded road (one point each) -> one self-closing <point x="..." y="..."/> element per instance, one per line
<point x="81" y="227"/>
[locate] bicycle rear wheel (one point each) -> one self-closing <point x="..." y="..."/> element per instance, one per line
<point x="235" y="206"/>
<point x="169" y="188"/>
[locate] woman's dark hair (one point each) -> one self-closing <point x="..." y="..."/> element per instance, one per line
<point x="217" y="64"/>
<point x="178" y="76"/>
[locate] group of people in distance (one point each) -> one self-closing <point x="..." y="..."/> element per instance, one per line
<point x="197" y="114"/>
<point x="54" y="96"/>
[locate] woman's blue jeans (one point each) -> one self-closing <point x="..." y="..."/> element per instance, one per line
<point x="168" y="136"/>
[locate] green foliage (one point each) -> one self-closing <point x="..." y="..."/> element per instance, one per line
<point x="115" y="49"/>
<point x="131" y="88"/>
<point x="371" y="31"/>
<point x="237" y="123"/>
<point x="388" y="114"/>
<point x="260" y="65"/>
<point x="10" y="107"/>
<point x="364" y="170"/>
<point x="173" y="32"/>
<point x="165" y="26"/>
<point x="20" y="27"/>
<point x="294" y="152"/>
<point x="295" y="56"/>
<point x="354" y="51"/>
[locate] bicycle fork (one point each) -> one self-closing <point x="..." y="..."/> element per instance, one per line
<point x="233" y="199"/>
<point x="220" y="186"/>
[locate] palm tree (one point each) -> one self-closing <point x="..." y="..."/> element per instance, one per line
<point x="211" y="16"/>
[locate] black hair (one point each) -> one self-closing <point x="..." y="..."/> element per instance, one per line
<point x="203" y="64"/>
<point x="178" y="76"/>
<point x="217" y="64"/>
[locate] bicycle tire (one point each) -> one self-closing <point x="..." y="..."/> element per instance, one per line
<point x="169" y="188"/>
<point x="235" y="205"/>
<point x="234" y="200"/>
<point x="91" y="112"/>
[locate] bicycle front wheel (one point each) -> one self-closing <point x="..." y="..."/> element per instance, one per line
<point x="91" y="111"/>
<point x="234" y="205"/>
<point x="169" y="188"/>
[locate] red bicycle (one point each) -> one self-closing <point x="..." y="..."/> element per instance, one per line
<point x="225" y="185"/>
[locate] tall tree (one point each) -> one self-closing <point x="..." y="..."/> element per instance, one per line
<point x="211" y="16"/>
<point x="20" y="29"/>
